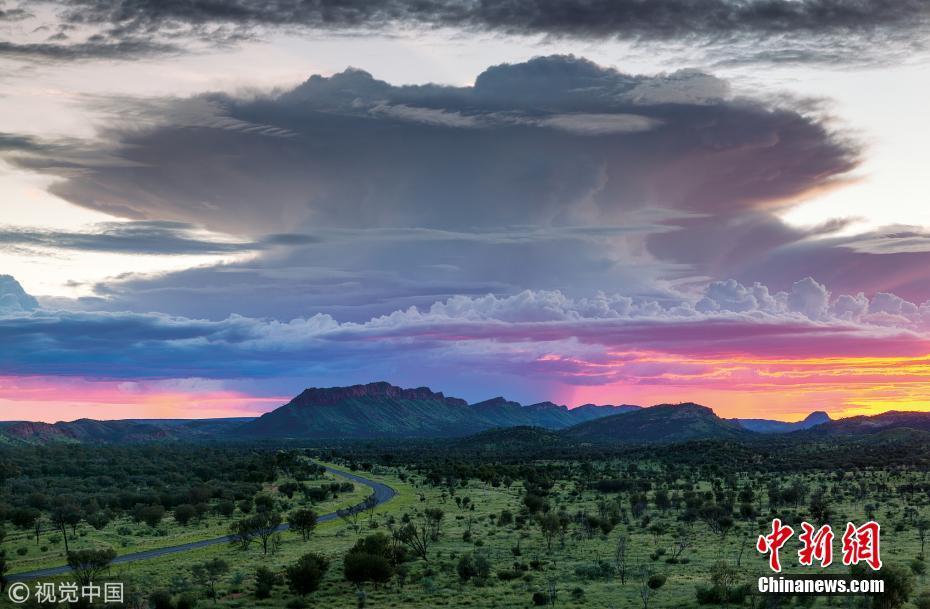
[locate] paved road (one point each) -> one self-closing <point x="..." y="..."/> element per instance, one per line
<point x="382" y="493"/>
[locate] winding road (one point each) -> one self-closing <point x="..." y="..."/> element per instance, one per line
<point x="381" y="491"/>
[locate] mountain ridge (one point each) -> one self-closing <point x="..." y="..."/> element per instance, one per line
<point x="381" y="410"/>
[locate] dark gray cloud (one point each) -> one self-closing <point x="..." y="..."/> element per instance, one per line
<point x="552" y="174"/>
<point x="358" y="274"/>
<point x="57" y="51"/>
<point x="654" y="19"/>
<point x="805" y="29"/>
<point x="154" y="238"/>
<point x="555" y="141"/>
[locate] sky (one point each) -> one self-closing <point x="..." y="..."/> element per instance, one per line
<point x="206" y="207"/>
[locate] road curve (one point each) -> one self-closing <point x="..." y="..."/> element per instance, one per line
<point x="381" y="491"/>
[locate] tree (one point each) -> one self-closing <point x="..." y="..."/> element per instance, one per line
<point x="265" y="581"/>
<point x="550" y="526"/>
<point x="369" y="505"/>
<point x="305" y="575"/>
<point x="184" y="513"/>
<point x="4" y="567"/>
<point x="149" y="514"/>
<point x="303" y="521"/>
<point x="899" y="584"/>
<point x="820" y="508"/>
<point x="27" y="518"/>
<point x="262" y="527"/>
<point x="208" y="574"/>
<point x="683" y="541"/>
<point x="620" y="558"/>
<point x="724" y="578"/>
<point x="63" y="516"/>
<point x="87" y="565"/>
<point x="420" y="533"/>
<point x="649" y="585"/>
<point x="8" y="471"/>
<point x="923" y="526"/>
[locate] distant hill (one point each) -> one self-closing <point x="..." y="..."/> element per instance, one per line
<point x="885" y="423"/>
<point x="381" y="410"/>
<point x="503" y="413"/>
<point x="770" y="426"/>
<point x="114" y="432"/>
<point x="384" y="411"/>
<point x="662" y="424"/>
<point x="367" y="411"/>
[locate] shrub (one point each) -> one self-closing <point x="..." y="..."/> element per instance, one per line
<point x="923" y="601"/>
<point x="918" y="567"/>
<point x="161" y="599"/>
<point x="186" y="601"/>
<point x="540" y="599"/>
<point x="466" y="567"/>
<point x="265" y="581"/>
<point x="360" y="567"/>
<point x="306" y="574"/>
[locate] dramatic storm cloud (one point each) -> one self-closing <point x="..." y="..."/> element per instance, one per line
<point x="556" y="173"/>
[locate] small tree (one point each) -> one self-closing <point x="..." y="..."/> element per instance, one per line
<point x="620" y="558"/>
<point x="649" y="585"/>
<point x="420" y="533"/>
<point x="88" y="564"/>
<point x="303" y="521"/>
<point x="550" y="526"/>
<point x="923" y="526"/>
<point x="208" y="574"/>
<point x="369" y="505"/>
<point x="261" y="527"/>
<point x="305" y="575"/>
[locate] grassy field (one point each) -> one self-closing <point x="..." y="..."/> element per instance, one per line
<point x="570" y="567"/>
<point x="127" y="536"/>
<point x="580" y="567"/>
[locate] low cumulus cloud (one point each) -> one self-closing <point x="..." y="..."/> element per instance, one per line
<point x="769" y="30"/>
<point x="524" y="332"/>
